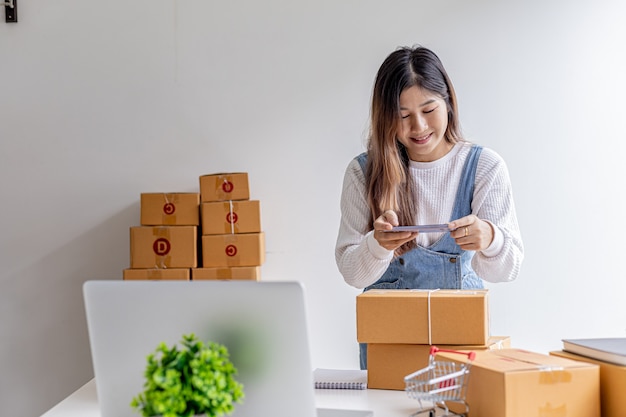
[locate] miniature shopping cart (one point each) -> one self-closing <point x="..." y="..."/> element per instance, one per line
<point x="439" y="383"/>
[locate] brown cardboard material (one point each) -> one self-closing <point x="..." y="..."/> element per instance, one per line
<point x="612" y="384"/>
<point x="179" y="274"/>
<point x="447" y="317"/>
<point x="172" y="209"/>
<point x="163" y="247"/>
<point x="224" y="186"/>
<point x="388" y="364"/>
<point x="251" y="273"/>
<point x="240" y="249"/>
<point x="222" y="217"/>
<point x="519" y="383"/>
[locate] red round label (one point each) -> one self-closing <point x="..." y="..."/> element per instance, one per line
<point x="231" y="250"/>
<point x="227" y="186"/>
<point x="169" y="208"/>
<point x="231" y="218"/>
<point x="161" y="246"/>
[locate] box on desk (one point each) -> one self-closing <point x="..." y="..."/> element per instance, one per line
<point x="221" y="217"/>
<point x="519" y="383"/>
<point x="179" y="274"/>
<point x="252" y="273"/>
<point x="163" y="247"/>
<point x="388" y="364"/>
<point x="225" y="186"/>
<point x="612" y="384"/>
<point x="239" y="249"/>
<point x="174" y="209"/>
<point x="448" y="317"/>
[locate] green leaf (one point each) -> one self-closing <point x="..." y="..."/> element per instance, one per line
<point x="198" y="379"/>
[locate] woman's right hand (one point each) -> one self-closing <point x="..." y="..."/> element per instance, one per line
<point x="390" y="240"/>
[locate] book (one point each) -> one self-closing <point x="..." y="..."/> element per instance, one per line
<point x="340" y="378"/>
<point x="612" y="349"/>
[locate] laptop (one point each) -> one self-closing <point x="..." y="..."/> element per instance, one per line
<point x="263" y="325"/>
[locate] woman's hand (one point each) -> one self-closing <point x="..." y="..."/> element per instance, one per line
<point x="471" y="233"/>
<point x="390" y="240"/>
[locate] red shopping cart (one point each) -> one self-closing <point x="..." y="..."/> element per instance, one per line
<point x="439" y="383"/>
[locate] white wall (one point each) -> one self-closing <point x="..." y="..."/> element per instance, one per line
<point x="101" y="101"/>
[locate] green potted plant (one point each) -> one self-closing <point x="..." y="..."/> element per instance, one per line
<point x="196" y="380"/>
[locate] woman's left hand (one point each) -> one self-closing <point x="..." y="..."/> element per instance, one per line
<point x="471" y="233"/>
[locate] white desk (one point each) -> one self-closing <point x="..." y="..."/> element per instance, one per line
<point x="84" y="402"/>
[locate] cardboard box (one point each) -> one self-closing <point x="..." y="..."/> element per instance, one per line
<point x="446" y="317"/>
<point x="226" y="186"/>
<point x="231" y="217"/>
<point x="178" y="274"/>
<point x="163" y="247"/>
<point x="388" y="364"/>
<point x="251" y="273"/>
<point x="519" y="383"/>
<point x="612" y="384"/>
<point x="173" y="209"/>
<point x="240" y="249"/>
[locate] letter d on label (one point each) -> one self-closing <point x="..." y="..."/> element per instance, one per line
<point x="161" y="246"/>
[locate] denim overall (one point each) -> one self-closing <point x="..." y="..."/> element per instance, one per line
<point x="442" y="265"/>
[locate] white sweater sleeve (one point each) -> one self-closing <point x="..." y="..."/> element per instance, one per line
<point x="493" y="202"/>
<point x="360" y="259"/>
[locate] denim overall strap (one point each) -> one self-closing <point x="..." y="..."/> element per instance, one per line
<point x="443" y="264"/>
<point x="362" y="161"/>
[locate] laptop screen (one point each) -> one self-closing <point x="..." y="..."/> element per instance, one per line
<point x="263" y="325"/>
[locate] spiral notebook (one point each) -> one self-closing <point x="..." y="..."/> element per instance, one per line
<point x="340" y="378"/>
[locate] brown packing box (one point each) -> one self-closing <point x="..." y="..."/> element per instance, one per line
<point x="252" y="273"/>
<point x="447" y="317"/>
<point x="163" y="247"/>
<point x="240" y="249"/>
<point x="612" y="384"/>
<point x="179" y="274"/>
<point x="388" y="364"/>
<point x="173" y="209"/>
<point x="519" y="383"/>
<point x="231" y="217"/>
<point x="225" y="186"/>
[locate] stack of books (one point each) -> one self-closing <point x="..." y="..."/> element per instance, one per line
<point x="612" y="350"/>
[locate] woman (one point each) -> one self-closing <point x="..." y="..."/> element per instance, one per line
<point x="419" y="169"/>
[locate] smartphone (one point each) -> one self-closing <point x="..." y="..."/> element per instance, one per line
<point x="422" y="228"/>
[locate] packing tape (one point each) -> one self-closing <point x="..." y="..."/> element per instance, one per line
<point x="231" y="219"/>
<point x="220" y="190"/>
<point x="161" y="262"/>
<point x="549" y="374"/>
<point x="430" y="330"/>
<point x="223" y="273"/>
<point x="154" y="273"/>
<point x="553" y="411"/>
<point x="161" y="232"/>
<point x="169" y="218"/>
<point x="554" y="375"/>
<point x="430" y="335"/>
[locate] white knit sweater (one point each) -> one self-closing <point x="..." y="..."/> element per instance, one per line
<point x="362" y="261"/>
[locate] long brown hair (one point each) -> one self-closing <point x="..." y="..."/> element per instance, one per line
<point x="389" y="183"/>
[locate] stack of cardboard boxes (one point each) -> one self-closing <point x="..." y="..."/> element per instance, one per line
<point x="167" y="245"/>
<point x="399" y="327"/>
<point x="233" y="243"/>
